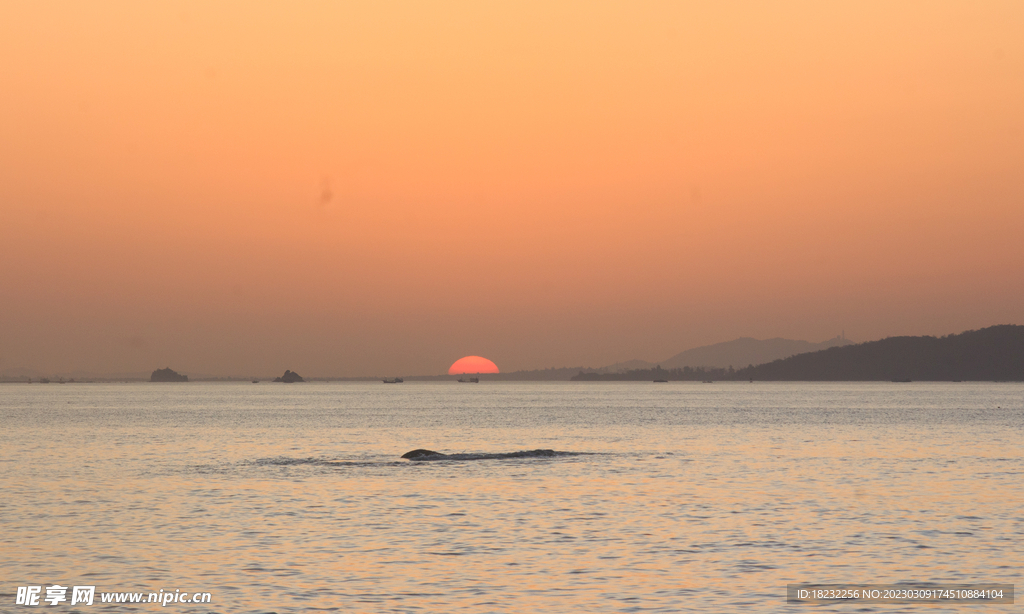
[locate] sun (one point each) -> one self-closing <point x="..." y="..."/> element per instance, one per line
<point x="472" y="364"/>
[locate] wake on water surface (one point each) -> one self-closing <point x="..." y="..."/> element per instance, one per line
<point x="430" y="455"/>
<point x="416" y="455"/>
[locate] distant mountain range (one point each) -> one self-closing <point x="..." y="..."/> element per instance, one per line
<point x="26" y="373"/>
<point x="994" y="353"/>
<point x="990" y="354"/>
<point x="738" y="353"/>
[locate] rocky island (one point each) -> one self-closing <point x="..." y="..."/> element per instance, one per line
<point x="167" y="375"/>
<point x="289" y="377"/>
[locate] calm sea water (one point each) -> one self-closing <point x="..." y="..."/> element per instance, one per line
<point x="668" y="497"/>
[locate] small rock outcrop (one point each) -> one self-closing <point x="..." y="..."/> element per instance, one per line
<point x="167" y="375"/>
<point x="289" y="377"/>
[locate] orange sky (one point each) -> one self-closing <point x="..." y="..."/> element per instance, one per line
<point x="383" y="187"/>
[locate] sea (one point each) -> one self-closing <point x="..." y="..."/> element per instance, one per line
<point x="554" y="496"/>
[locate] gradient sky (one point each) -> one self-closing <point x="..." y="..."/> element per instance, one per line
<point x="376" y="187"/>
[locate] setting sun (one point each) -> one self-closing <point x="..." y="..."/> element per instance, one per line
<point x="472" y="364"/>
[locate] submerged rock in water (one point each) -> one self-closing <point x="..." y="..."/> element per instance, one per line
<point x="429" y="455"/>
<point x="420" y="453"/>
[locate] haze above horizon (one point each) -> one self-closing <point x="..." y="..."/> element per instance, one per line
<point x="382" y="188"/>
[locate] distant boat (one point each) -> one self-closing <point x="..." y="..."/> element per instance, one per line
<point x="472" y="380"/>
<point x="901" y="381"/>
<point x="707" y="381"/>
<point x="661" y="381"/>
<point x="396" y="380"/>
<point x="255" y="381"/>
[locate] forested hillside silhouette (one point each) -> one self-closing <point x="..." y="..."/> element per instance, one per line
<point x="990" y="354"/>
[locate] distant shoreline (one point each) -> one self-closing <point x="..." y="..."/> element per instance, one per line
<point x="993" y="354"/>
<point x="360" y="380"/>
